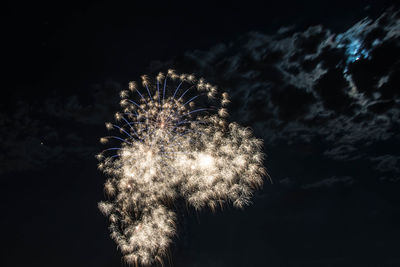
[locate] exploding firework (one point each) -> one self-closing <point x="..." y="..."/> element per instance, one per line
<point x="175" y="143"/>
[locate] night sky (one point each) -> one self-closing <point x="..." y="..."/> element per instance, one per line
<point x="318" y="81"/>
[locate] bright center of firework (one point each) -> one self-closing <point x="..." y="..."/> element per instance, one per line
<point x="206" y="161"/>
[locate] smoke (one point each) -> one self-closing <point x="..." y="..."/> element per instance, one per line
<point x="176" y="142"/>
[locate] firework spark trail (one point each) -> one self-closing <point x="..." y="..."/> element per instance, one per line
<point x="170" y="148"/>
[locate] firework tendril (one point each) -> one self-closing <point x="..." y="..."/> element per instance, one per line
<point x="174" y="142"/>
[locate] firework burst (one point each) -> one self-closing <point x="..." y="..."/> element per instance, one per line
<point x="175" y="142"/>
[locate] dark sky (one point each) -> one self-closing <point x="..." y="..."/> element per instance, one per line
<point x="66" y="43"/>
<point x="58" y="50"/>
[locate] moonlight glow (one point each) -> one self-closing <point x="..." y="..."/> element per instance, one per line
<point x="175" y="143"/>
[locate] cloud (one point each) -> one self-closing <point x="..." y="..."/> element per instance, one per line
<point x="329" y="182"/>
<point x="337" y="90"/>
<point x="387" y="163"/>
<point x="35" y="135"/>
